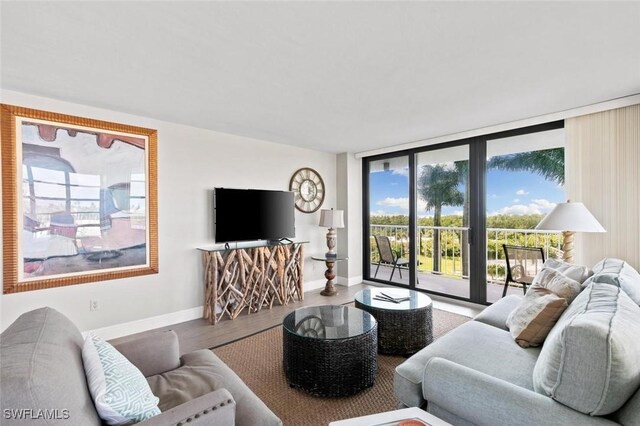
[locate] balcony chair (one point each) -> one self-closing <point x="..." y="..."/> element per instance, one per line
<point x="388" y="257"/>
<point x="523" y="263"/>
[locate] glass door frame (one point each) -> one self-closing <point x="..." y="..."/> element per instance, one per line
<point x="366" y="222"/>
<point x="477" y="209"/>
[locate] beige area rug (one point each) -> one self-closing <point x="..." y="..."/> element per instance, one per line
<point x="258" y="361"/>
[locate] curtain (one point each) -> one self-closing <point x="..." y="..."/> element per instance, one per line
<point x="602" y="159"/>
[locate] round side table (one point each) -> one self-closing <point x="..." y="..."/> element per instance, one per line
<point x="329" y="288"/>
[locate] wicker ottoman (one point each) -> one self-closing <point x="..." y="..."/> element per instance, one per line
<point x="330" y="350"/>
<point x="403" y="328"/>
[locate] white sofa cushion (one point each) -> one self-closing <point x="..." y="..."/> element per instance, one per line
<point x="619" y="273"/>
<point x="589" y="361"/>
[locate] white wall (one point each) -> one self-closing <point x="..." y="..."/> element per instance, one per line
<point x="349" y="199"/>
<point x="191" y="162"/>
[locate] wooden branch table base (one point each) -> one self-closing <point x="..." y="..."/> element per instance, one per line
<point x="329" y="274"/>
<point x="251" y="278"/>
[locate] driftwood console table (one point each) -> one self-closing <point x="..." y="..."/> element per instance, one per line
<point x="251" y="277"/>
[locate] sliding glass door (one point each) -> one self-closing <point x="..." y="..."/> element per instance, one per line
<point x="388" y="232"/>
<point x="442" y="212"/>
<point x="525" y="180"/>
<point x="436" y="218"/>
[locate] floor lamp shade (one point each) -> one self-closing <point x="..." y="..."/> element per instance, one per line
<point x="570" y="218"/>
<point x="332" y="219"/>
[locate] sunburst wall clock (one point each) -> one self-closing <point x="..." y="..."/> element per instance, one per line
<point x="308" y="187"/>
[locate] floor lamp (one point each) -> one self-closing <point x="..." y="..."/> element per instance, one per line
<point x="570" y="218"/>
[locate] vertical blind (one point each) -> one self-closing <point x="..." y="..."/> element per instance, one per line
<point x="603" y="171"/>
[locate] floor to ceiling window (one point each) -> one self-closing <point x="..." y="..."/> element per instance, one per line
<point x="436" y="218"/>
<point x="442" y="214"/>
<point x="389" y="219"/>
<point x="525" y="180"/>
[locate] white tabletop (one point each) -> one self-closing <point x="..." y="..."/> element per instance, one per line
<point x="392" y="418"/>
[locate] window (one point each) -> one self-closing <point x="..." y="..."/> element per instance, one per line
<point x="435" y="218"/>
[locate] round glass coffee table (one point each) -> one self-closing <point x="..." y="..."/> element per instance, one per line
<point x="330" y="350"/>
<point x="404" y="327"/>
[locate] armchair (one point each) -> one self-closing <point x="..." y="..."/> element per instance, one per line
<point x="41" y="368"/>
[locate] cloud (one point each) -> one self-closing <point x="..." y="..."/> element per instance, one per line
<point x="521" y="192"/>
<point x="516" y="200"/>
<point x="545" y="204"/>
<point x="538" y="206"/>
<point x="402" y="202"/>
<point x="401" y="172"/>
<point x="378" y="213"/>
<point x="518" y="209"/>
<point x="458" y="213"/>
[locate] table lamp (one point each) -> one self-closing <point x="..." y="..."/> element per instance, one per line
<point x="331" y="219"/>
<point x="570" y="218"/>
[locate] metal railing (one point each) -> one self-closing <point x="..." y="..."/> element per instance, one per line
<point x="450" y="246"/>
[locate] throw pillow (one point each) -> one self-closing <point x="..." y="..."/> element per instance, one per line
<point x="531" y="321"/>
<point x="575" y="272"/>
<point x="589" y="362"/>
<point x="560" y="284"/>
<point x="549" y="295"/>
<point x="619" y="273"/>
<point x="120" y="392"/>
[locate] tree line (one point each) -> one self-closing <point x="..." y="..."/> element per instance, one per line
<point x="508" y="221"/>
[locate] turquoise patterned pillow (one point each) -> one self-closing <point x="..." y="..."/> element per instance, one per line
<point x="120" y="392"/>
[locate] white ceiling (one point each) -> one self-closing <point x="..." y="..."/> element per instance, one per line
<point x="329" y="76"/>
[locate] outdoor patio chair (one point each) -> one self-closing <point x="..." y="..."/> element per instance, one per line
<point x="388" y="257"/>
<point x="523" y="263"/>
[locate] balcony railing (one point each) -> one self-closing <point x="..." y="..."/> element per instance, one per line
<point x="450" y="246"/>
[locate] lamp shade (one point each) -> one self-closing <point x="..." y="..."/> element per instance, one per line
<point x="572" y="217"/>
<point x="332" y="218"/>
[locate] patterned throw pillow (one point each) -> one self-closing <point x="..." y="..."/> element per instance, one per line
<point x="120" y="392"/>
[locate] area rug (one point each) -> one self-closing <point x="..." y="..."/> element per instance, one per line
<point x="258" y="361"/>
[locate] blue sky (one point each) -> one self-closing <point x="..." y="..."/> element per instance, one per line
<point x="507" y="193"/>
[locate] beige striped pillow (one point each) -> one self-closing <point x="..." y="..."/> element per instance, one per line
<point x="535" y="316"/>
<point x="537" y="313"/>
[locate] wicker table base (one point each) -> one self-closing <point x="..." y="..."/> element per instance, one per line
<point x="401" y="331"/>
<point x="331" y="367"/>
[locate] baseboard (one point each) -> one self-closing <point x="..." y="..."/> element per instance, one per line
<point x="350" y="281"/>
<point x="314" y="285"/>
<point x="145" y="324"/>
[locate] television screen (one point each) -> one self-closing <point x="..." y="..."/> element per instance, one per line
<point x="253" y="214"/>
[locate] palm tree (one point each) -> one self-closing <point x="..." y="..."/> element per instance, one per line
<point x="438" y="186"/>
<point x="549" y="163"/>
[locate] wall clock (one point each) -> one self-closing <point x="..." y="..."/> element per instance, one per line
<point x="308" y="187"/>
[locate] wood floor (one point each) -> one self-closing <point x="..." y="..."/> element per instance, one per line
<point x="199" y="334"/>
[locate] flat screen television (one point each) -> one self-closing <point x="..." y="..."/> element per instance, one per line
<point x="253" y="214"/>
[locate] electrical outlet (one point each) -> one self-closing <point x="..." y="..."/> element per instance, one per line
<point x="94" y="305"/>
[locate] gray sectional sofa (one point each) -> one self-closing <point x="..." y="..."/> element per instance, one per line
<point x="41" y="369"/>
<point x="586" y="373"/>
